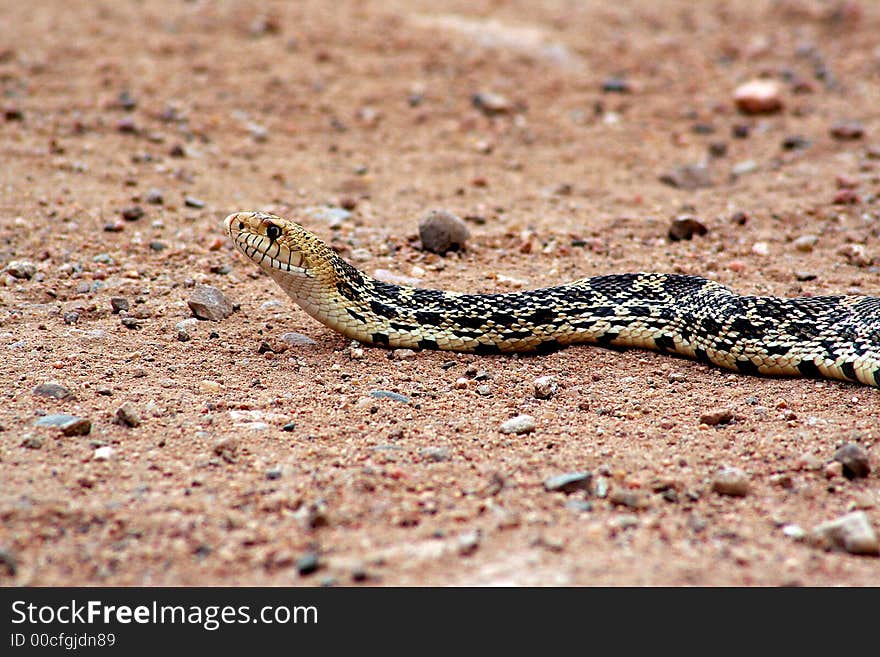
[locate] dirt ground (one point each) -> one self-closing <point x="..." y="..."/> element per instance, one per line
<point x="192" y="110"/>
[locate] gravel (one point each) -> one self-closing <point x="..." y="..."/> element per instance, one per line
<point x="70" y="425"/>
<point x="854" y="459"/>
<point x="758" y="97"/>
<point x="128" y="415"/>
<point x="570" y="482"/>
<point x="851" y="533"/>
<point x="545" y="387"/>
<point x="716" y="417"/>
<point x="731" y="481"/>
<point x="21" y="269"/>
<point x="388" y="394"/>
<point x="209" y="303"/>
<point x="53" y="390"/>
<point x="519" y="425"/>
<point x="685" y="227"/>
<point x="441" y="231"/>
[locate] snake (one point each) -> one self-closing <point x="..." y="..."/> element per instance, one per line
<point x="834" y="337"/>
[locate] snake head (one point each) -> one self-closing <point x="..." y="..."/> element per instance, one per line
<point x="278" y="246"/>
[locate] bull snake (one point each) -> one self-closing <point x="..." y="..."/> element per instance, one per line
<point x="835" y="337"/>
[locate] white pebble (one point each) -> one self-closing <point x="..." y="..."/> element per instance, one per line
<point x="519" y="425"/>
<point x="103" y="453"/>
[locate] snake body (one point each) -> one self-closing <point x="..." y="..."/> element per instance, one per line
<point x="835" y="337"/>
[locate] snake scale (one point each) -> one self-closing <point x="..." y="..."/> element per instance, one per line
<point x="835" y="337"/>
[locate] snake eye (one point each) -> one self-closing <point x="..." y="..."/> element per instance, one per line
<point x="241" y="225"/>
<point x="273" y="232"/>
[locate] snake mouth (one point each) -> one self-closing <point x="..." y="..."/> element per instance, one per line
<point x="264" y="242"/>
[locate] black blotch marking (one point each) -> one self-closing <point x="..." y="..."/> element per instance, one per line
<point x="549" y="346"/>
<point x="468" y="321"/>
<point x="422" y="297"/>
<point x="397" y="326"/>
<point x="462" y="333"/>
<point x="351" y="272"/>
<point x="702" y="355"/>
<point x="386" y="290"/>
<point x="776" y="349"/>
<point x="503" y="319"/>
<point x="637" y="311"/>
<point x="747" y="367"/>
<point x="710" y="326"/>
<point x="810" y="369"/>
<point x="849" y="371"/>
<point x="357" y="316"/>
<point x="383" y="310"/>
<point x="743" y="325"/>
<point x="380" y="338"/>
<point x="425" y="343"/>
<point x="607" y="339"/>
<point x="428" y="317"/>
<point x="346" y="290"/>
<point x="877" y="378"/>
<point x="484" y="349"/>
<point x="541" y="316"/>
<point x="665" y="343"/>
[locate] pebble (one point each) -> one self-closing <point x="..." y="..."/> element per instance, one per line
<point x="688" y="176"/>
<point x="847" y="130"/>
<point x="854" y="459"/>
<point x="685" y="227"/>
<point x="71" y="317"/>
<point x="490" y="103"/>
<point x="519" y="425"/>
<point x="761" y="248"/>
<point x="743" y="168"/>
<point x="468" y="542"/>
<point x="8" y="562"/>
<point x="308" y="564"/>
<point x="103" y="453"/>
<point x="209" y="303"/>
<point x="70" y="425"/>
<point x="581" y="506"/>
<point x="805" y="243"/>
<point x="441" y="231"/>
<point x="795" y="143"/>
<point x="154" y="196"/>
<point x="127" y="415"/>
<point x="716" y="417"/>
<point x="388" y="394"/>
<point x="131" y="323"/>
<point x="118" y="304"/>
<point x="570" y="482"/>
<point x="297" y="339"/>
<point x="403" y="354"/>
<point x="210" y="387"/>
<point x="856" y="255"/>
<point x="758" y="97"/>
<point x="435" y="454"/>
<point x="132" y="213"/>
<point x="630" y="498"/>
<point x="795" y="532"/>
<point x="21" y="269"/>
<point x="273" y="473"/>
<point x="226" y="449"/>
<point x="852" y="533"/>
<point x="290" y="426"/>
<point x="833" y="470"/>
<point x="731" y="481"/>
<point x="616" y="85"/>
<point x="484" y="390"/>
<point x="335" y="217"/>
<point x="192" y="202"/>
<point x="32" y="442"/>
<point x="53" y="390"/>
<point x="545" y="387"/>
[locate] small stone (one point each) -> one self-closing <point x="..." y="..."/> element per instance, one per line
<point x="854" y="459"/>
<point x="688" y="176"/>
<point x="758" y="97"/>
<point x="468" y="542"/>
<point x="388" y="394"/>
<point x="484" y="390"/>
<point x="490" y="103"/>
<point x="208" y="303"/>
<point x="154" y="196"/>
<point x="847" y="130"/>
<point x="273" y="473"/>
<point x="192" y="202"/>
<point x="616" y="85"/>
<point x="21" y="269"/>
<point x="435" y="454"/>
<point x="852" y="533"/>
<point x="70" y="425"/>
<point x="519" y="425"/>
<point x="210" y="387"/>
<point x="856" y="255"/>
<point x="116" y="226"/>
<point x="805" y="276"/>
<point x="183" y="336"/>
<point x="308" y="564"/>
<point x="127" y="125"/>
<point x="8" y="562"/>
<point x="805" y="243"/>
<point x="581" y="506"/>
<point x="296" y="339"/>
<point x="127" y="415"/>
<point x="118" y="304"/>
<point x="761" y="248"/>
<point x="441" y="231"/>
<point x="794" y="532"/>
<point x="32" y="442"/>
<point x="131" y="323"/>
<point x="795" y="143"/>
<point x="103" y="453"/>
<point x="685" y="227"/>
<point x="570" y="482"/>
<point x="132" y="213"/>
<point x="333" y="216"/>
<point x="290" y="426"/>
<point x="53" y="390"/>
<point x="545" y="387"/>
<point x="718" y="148"/>
<point x="630" y="498"/>
<point x="731" y="481"/>
<point x="846" y="197"/>
<point x="227" y="449"/>
<point x="71" y="317"/>
<point x="716" y="417"/>
<point x="403" y="354"/>
<point x="743" y="168"/>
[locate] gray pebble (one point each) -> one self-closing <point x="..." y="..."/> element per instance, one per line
<point x="32" y="442"/>
<point x="127" y="415"/>
<point x="388" y="394"/>
<point x="854" y="459"/>
<point x="207" y="302"/>
<point x="273" y="473"/>
<point x="580" y="506"/>
<point x="8" y="562"/>
<point x="333" y="216"/>
<point x="441" y="231"/>
<point x="484" y="390"/>
<point x="490" y="103"/>
<point x="53" y="390"/>
<point x="519" y="425"/>
<point x="632" y="499"/>
<point x="852" y="533"/>
<point x="71" y="317"/>
<point x="183" y="336"/>
<point x="118" y="304"/>
<point x="602" y="487"/>
<point x="131" y="323"/>
<point x="805" y="243"/>
<point x="569" y="482"/>
<point x="155" y="196"/>
<point x="435" y="454"/>
<point x="22" y="269"/>
<point x="297" y="339"/>
<point x="307" y="563"/>
<point x="192" y="202"/>
<point x="731" y="481"/>
<point x="545" y="387"/>
<point x="70" y="425"/>
<point x="688" y="176"/>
